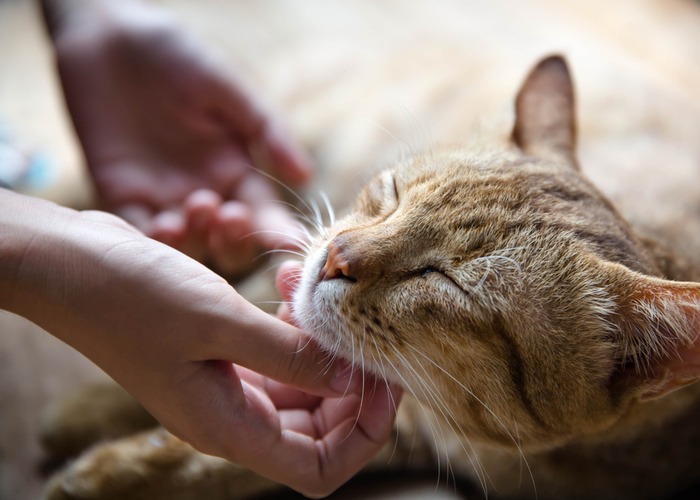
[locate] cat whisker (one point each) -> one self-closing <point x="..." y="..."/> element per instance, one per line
<point x="442" y="407"/>
<point x="303" y="244"/>
<point x="308" y="234"/>
<point x="304" y="346"/>
<point x="391" y="397"/>
<point x="487" y="409"/>
<point x="304" y="219"/>
<point x="329" y="207"/>
<point x="293" y="275"/>
<point x="427" y="419"/>
<point x="401" y="146"/>
<point x="280" y="183"/>
<point x="280" y="250"/>
<point x="411" y="119"/>
<point x="300" y="215"/>
<point x="480" y="471"/>
<point x="312" y="207"/>
<point x="331" y="357"/>
<point x="520" y="476"/>
<point x="431" y="396"/>
<point x="508" y="259"/>
<point x="362" y="392"/>
<point x="483" y="278"/>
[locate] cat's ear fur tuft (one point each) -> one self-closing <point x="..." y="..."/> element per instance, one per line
<point x="658" y="323"/>
<point x="544" y="112"/>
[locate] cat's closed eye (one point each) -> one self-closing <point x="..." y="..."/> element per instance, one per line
<point x="438" y="275"/>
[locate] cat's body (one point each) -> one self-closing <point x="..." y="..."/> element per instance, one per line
<point x="496" y="283"/>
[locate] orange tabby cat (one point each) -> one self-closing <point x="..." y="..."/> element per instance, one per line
<point x="553" y="348"/>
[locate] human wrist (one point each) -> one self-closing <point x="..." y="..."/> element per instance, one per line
<point x="25" y="223"/>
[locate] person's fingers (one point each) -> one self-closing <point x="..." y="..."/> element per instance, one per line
<point x="231" y="247"/>
<point x="288" y="279"/>
<point x="293" y="447"/>
<point x="316" y="467"/>
<point x="298" y="421"/>
<point x="200" y="209"/>
<point x="251" y="338"/>
<point x="284" y="313"/>
<point x="168" y="227"/>
<point x="333" y="411"/>
<point x="354" y="441"/>
<point x="286" y="397"/>
<point x="283" y="396"/>
<point x="274" y="225"/>
<point x="137" y="214"/>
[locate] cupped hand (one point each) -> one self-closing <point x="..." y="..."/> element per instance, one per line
<point x="177" y="336"/>
<point x="170" y="134"/>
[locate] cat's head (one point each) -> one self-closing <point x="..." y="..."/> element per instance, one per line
<point x="501" y="287"/>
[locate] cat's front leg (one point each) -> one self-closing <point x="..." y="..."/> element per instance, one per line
<point x="153" y="465"/>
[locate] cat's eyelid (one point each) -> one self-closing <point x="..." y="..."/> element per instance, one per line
<point x="436" y="269"/>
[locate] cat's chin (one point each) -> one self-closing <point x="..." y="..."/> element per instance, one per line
<point x="310" y="305"/>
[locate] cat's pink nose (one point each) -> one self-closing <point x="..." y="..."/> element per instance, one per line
<point x="337" y="265"/>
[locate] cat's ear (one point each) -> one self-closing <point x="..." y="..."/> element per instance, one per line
<point x="658" y="322"/>
<point x="544" y="112"/>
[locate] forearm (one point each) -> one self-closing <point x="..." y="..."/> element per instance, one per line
<point x="50" y="258"/>
<point x="23" y="229"/>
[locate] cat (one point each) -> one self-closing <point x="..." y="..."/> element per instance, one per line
<point x="553" y="348"/>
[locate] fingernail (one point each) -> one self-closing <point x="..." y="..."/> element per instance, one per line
<point x="346" y="379"/>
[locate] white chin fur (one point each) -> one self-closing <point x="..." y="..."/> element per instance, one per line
<point x="324" y="322"/>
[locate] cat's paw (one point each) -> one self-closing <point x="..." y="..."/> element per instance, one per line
<point x="153" y="465"/>
<point x="88" y="415"/>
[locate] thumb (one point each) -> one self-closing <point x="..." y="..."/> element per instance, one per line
<point x="283" y="353"/>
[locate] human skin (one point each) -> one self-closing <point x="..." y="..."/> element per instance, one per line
<point x="176" y="335"/>
<point x="170" y="133"/>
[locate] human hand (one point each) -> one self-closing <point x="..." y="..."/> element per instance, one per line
<point x="170" y="331"/>
<point x="170" y="134"/>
